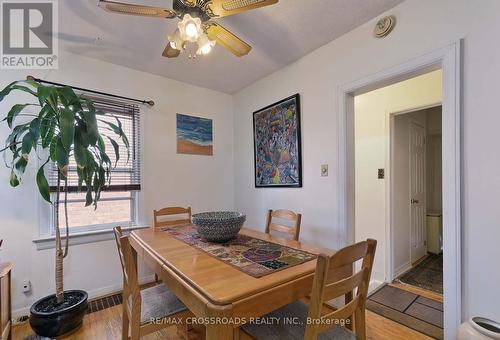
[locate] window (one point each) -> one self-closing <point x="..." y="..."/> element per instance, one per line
<point x="118" y="203"/>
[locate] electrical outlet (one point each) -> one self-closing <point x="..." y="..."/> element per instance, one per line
<point x="26" y="286"/>
<point x="324" y="170"/>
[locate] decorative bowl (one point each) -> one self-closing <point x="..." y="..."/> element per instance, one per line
<point x="218" y="226"/>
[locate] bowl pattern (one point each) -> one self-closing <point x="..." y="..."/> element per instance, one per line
<point x="218" y="226"/>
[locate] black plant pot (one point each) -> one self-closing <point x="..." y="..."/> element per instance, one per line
<point x="51" y="320"/>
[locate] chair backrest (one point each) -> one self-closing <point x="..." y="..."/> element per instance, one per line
<point x="129" y="268"/>
<point x="169" y="212"/>
<point x="289" y="215"/>
<point x="325" y="288"/>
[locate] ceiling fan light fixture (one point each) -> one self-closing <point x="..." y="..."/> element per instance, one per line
<point x="190" y="28"/>
<point x="205" y="44"/>
<point x="176" y="41"/>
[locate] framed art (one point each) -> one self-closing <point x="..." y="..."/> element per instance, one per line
<point x="194" y="135"/>
<point x="277" y="145"/>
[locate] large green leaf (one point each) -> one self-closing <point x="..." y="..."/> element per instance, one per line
<point x="100" y="144"/>
<point x="28" y="143"/>
<point x="92" y="128"/>
<point x="24" y="88"/>
<point x="67" y="128"/>
<point x="79" y="151"/>
<point x="43" y="185"/>
<point x="35" y="130"/>
<point x="21" y="165"/>
<point x="88" y="196"/>
<point x="7" y="90"/>
<point x="62" y="154"/>
<point x="47" y="129"/>
<point x="14" y="180"/>
<point x="14" y="112"/>
<point x="44" y="92"/>
<point x="53" y="149"/>
<point x="67" y="96"/>
<point x="117" y="149"/>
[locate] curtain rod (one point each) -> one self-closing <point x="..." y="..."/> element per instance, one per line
<point x="147" y="102"/>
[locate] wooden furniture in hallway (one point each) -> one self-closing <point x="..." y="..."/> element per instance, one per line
<point x="289" y="215"/>
<point x="148" y="310"/>
<point x="159" y="216"/>
<point x="214" y="289"/>
<point x="5" y="301"/>
<point x="326" y="322"/>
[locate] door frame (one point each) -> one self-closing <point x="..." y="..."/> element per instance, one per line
<point x="448" y="58"/>
<point x="391" y="272"/>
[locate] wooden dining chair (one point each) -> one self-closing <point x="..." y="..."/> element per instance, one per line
<point x="159" y="215"/>
<point x="289" y="215"/>
<point x="319" y="320"/>
<point x="143" y="308"/>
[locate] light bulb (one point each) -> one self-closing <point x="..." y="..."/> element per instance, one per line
<point x="206" y="49"/>
<point x="176" y="41"/>
<point x="191" y="30"/>
<point x="204" y="44"/>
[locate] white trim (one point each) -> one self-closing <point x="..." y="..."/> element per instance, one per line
<point x="401" y="270"/>
<point x="449" y="59"/>
<point x="81" y="238"/>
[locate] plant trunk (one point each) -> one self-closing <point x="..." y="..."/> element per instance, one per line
<point x="59" y="253"/>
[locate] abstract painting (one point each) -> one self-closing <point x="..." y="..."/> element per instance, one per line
<point x="277" y="146"/>
<point x="194" y="135"/>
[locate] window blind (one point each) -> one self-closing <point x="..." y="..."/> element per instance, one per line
<point x="126" y="175"/>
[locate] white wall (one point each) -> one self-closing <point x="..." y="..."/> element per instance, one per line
<point x="372" y="151"/>
<point x="167" y="178"/>
<point x="422" y="26"/>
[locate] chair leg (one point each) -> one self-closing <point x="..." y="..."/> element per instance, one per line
<point x="135" y="325"/>
<point x="125" y="324"/>
<point x="360" y="326"/>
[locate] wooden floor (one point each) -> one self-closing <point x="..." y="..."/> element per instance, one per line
<point x="106" y="325"/>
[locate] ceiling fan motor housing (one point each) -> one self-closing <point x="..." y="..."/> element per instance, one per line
<point x="198" y="9"/>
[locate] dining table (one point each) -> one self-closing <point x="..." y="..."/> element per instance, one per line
<point x="219" y="295"/>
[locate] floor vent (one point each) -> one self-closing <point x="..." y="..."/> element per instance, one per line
<point x="104" y="302"/>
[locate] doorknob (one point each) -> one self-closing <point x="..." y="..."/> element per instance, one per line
<point x="414" y="201"/>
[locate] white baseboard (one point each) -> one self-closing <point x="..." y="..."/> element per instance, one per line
<point x="374" y="285"/>
<point x="94" y="293"/>
<point x="402" y="269"/>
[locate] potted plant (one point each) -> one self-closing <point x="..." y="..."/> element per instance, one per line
<point x="64" y="132"/>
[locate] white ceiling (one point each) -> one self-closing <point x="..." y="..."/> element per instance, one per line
<point x="279" y="35"/>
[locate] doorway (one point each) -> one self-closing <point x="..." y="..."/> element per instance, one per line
<point x="448" y="58"/>
<point x="416" y="195"/>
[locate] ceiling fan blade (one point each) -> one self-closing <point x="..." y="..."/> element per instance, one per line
<point x="131" y="9"/>
<point x="227" y="39"/>
<point x="223" y="8"/>
<point x="170" y="52"/>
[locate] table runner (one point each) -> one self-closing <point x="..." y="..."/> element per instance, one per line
<point x="252" y="256"/>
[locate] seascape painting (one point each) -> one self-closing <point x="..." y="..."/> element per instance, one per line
<point x="194" y="135"/>
<point x="277" y="144"/>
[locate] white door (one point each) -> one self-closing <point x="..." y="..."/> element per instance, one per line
<point x="418" y="237"/>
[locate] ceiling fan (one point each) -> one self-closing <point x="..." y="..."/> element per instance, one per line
<point x="196" y="23"/>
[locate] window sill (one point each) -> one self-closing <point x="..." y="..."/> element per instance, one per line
<point x="81" y="238"/>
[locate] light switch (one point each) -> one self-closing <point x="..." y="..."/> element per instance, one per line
<point x="324" y="170"/>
